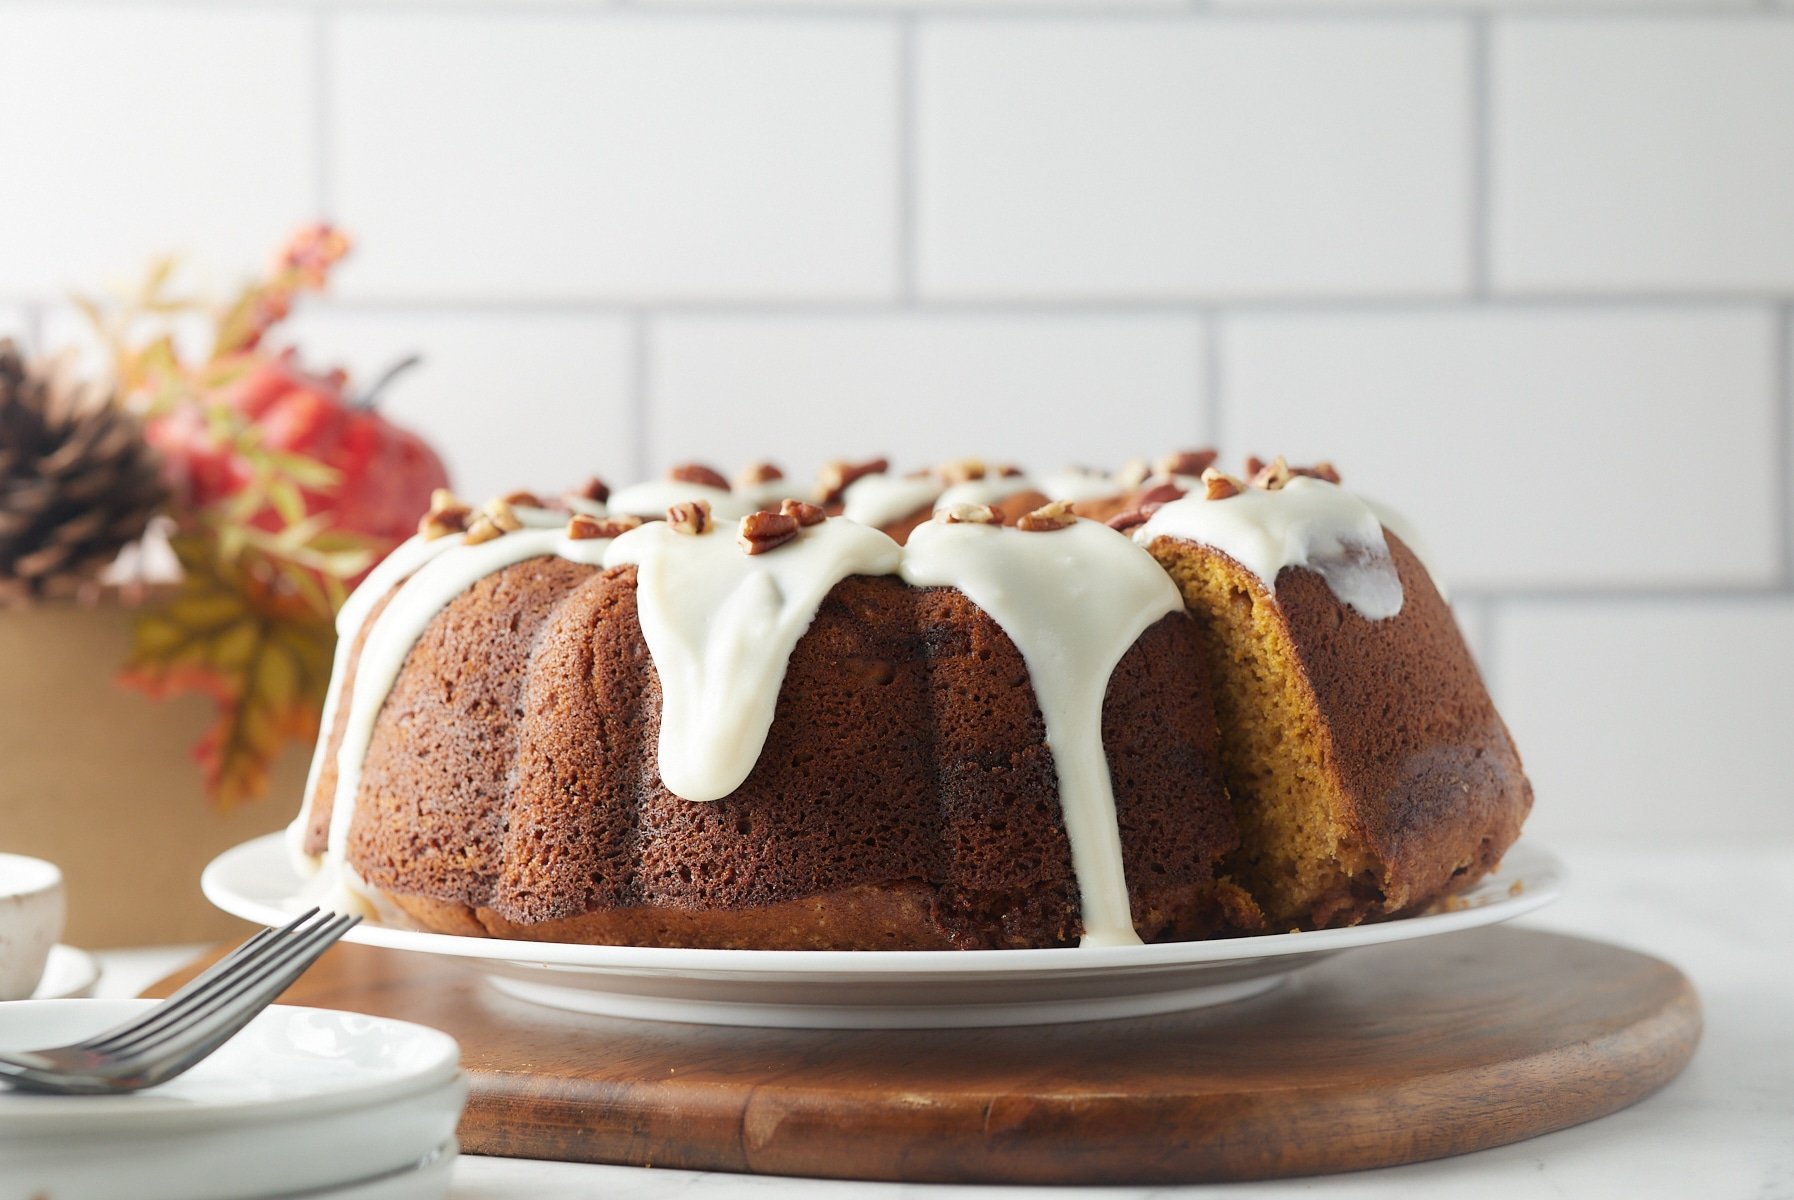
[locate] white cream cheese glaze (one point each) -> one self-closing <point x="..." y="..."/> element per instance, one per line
<point x="653" y="498"/>
<point x="1072" y="486"/>
<point x="1397" y="522"/>
<point x="989" y="490"/>
<point x="721" y="625"/>
<point x="882" y="499"/>
<point x="1306" y="523"/>
<point x="405" y="559"/>
<point x="1073" y="601"/>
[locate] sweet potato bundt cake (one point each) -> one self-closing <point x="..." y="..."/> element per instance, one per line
<point x="957" y="709"/>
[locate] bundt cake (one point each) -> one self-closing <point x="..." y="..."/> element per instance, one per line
<point x="945" y="710"/>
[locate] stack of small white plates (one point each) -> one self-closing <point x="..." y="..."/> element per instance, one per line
<point x="304" y="1102"/>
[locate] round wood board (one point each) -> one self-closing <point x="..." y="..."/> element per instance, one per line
<point x="1387" y="1055"/>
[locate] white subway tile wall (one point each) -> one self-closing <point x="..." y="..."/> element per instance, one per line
<point x="804" y="390"/>
<point x="1523" y="267"/>
<point x="1176" y="158"/>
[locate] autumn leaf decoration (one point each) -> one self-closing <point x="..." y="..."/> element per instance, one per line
<point x="269" y="535"/>
<point x="263" y="664"/>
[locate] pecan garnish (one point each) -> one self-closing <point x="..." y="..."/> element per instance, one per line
<point x="969" y="514"/>
<point x="690" y="517"/>
<point x="763" y="531"/>
<point x="963" y="470"/>
<point x="1221" y="485"/>
<point x="1009" y="471"/>
<point x="1132" y="518"/>
<point x="582" y="527"/>
<point x="1048" y="517"/>
<point x="837" y="476"/>
<point x="757" y="473"/>
<point x="700" y="474"/>
<point x="1320" y="470"/>
<point x="1163" y="493"/>
<point x="1187" y="462"/>
<point x="1254" y="465"/>
<point x="1133" y="473"/>
<point x="447" y="515"/>
<point x="522" y="499"/>
<point x="500" y="513"/>
<point x="483" y="529"/>
<point x="1272" y="475"/>
<point x="593" y="489"/>
<point x="806" y="514"/>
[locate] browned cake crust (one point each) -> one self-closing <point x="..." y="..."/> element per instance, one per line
<point x="1425" y="783"/>
<point x="905" y="797"/>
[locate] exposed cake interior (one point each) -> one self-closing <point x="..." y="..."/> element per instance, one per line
<point x="1295" y="856"/>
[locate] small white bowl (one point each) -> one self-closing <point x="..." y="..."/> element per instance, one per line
<point x="32" y="910"/>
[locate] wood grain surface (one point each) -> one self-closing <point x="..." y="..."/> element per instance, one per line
<point x="1387" y="1055"/>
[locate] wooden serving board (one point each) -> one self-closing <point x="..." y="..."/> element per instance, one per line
<point x="1381" y="1056"/>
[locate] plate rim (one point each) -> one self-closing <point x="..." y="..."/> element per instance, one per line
<point x="105" y="1115"/>
<point x="1545" y="880"/>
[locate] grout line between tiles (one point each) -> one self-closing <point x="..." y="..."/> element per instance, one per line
<point x="906" y="158"/>
<point x="1480" y="154"/>
<point x="1026" y="306"/>
<point x="981" y="10"/>
<point x="1782" y="425"/>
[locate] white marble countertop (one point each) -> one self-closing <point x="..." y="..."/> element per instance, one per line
<point x="1724" y="1130"/>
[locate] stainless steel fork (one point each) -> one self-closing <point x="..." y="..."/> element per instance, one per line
<point x="185" y="1028"/>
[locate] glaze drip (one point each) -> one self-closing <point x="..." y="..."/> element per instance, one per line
<point x="721" y="626"/>
<point x="1073" y="601"/>
<point x="882" y="499"/>
<point x="1306" y="523"/>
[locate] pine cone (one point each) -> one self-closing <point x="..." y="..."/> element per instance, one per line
<point x="77" y="480"/>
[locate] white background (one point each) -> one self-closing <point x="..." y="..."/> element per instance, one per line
<point x="1525" y="270"/>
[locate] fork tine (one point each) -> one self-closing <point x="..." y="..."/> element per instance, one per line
<point x="194" y="989"/>
<point x="177" y="1050"/>
<point x="303" y="947"/>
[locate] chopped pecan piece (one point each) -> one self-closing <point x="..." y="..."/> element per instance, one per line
<point x="763" y="531"/>
<point x="838" y="476"/>
<point x="1272" y="475"/>
<point x="963" y="470"/>
<point x="1133" y="517"/>
<point x="700" y="474"/>
<point x="1221" y="485"/>
<point x="1048" y="517"/>
<point x="1320" y="470"/>
<point x="1187" y="462"/>
<point x="582" y="527"/>
<point x="447" y="515"/>
<point x="1133" y="473"/>
<point x="806" y="514"/>
<point x="593" y="489"/>
<point x="757" y="473"/>
<point x="1009" y="471"/>
<point x="500" y="513"/>
<point x="690" y="517"/>
<point x="522" y="499"/>
<point x="1163" y="493"/>
<point x="483" y="529"/>
<point x="969" y="514"/>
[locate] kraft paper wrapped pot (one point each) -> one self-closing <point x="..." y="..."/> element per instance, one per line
<point x="101" y="781"/>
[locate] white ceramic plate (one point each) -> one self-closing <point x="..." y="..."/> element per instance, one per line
<point x="424" y="1180"/>
<point x="68" y="973"/>
<point x="302" y="1099"/>
<point x="886" y="989"/>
